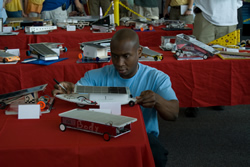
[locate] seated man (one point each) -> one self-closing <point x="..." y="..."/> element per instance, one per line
<point x="151" y="87"/>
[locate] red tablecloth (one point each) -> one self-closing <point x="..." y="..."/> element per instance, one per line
<point x="39" y="142"/>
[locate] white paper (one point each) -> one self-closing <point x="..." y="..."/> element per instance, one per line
<point x="184" y="9"/>
<point x="7" y="29"/>
<point x="108" y="111"/>
<point x="71" y="28"/>
<point x="113" y="106"/>
<point x="29" y="111"/>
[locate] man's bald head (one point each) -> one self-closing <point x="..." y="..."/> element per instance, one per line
<point x="125" y="52"/>
<point x="126" y="35"/>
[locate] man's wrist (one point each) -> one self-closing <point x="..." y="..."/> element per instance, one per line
<point x="189" y="9"/>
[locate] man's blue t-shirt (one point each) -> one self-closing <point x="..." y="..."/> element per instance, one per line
<point x="146" y="78"/>
<point x="49" y="5"/>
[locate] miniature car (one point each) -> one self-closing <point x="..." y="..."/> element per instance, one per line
<point x="94" y="95"/>
<point x="8" y="98"/>
<point x="80" y="24"/>
<point x="174" y="24"/>
<point x="108" y="125"/>
<point x="156" y="57"/>
<point x="189" y="46"/>
<point x="142" y="27"/>
<point x="138" y="25"/>
<point x="94" y="51"/>
<point x="7" y="57"/>
<point x="146" y="52"/>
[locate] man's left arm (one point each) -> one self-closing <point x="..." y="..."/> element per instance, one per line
<point x="167" y="109"/>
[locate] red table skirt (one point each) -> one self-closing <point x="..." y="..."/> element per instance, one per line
<point x="40" y="142"/>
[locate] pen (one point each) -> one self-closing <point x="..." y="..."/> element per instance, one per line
<point x="60" y="85"/>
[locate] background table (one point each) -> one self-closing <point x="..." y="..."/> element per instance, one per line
<point x="40" y="142"/>
<point x="197" y="83"/>
<point x="71" y="39"/>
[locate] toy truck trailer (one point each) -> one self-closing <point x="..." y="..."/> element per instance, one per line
<point x="105" y="124"/>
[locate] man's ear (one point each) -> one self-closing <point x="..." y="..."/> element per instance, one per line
<point x="139" y="51"/>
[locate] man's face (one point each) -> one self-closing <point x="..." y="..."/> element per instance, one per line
<point x="125" y="55"/>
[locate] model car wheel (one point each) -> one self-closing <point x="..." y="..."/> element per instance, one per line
<point x="106" y="136"/>
<point x="80" y="105"/>
<point x="205" y="56"/>
<point x="131" y="103"/>
<point x="155" y="58"/>
<point x="80" y="55"/>
<point x="42" y="104"/>
<point x="62" y="127"/>
<point x="47" y="98"/>
<point x="178" y="52"/>
<point x="80" y="25"/>
<point x="28" y="52"/>
<point x="2" y="105"/>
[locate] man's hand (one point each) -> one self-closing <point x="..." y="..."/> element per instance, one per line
<point x="188" y="12"/>
<point x="59" y="90"/>
<point x="167" y="109"/>
<point x="147" y="99"/>
<point x="73" y="13"/>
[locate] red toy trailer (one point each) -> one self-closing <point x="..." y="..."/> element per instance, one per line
<point x="105" y="124"/>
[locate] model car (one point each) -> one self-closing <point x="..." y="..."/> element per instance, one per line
<point x="189" y="46"/>
<point x="108" y="125"/>
<point x="7" y="57"/>
<point x="94" y="95"/>
<point x="174" y="24"/>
